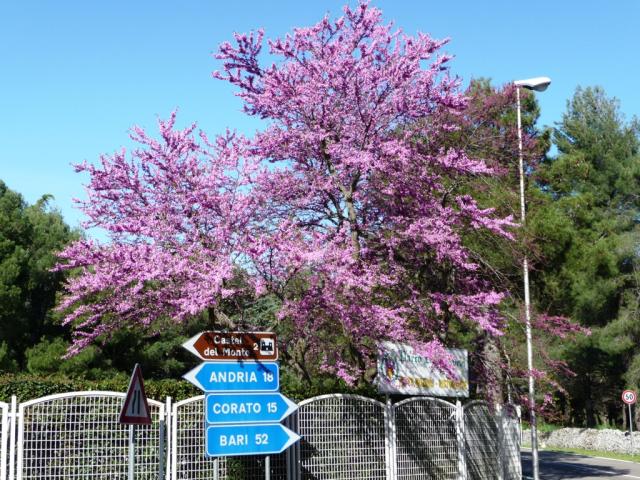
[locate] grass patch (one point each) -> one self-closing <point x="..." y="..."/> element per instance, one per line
<point x="594" y="453"/>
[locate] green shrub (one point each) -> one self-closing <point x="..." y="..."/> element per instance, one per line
<point x="26" y="387"/>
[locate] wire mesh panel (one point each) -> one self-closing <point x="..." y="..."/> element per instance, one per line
<point x="77" y="435"/>
<point x="481" y="438"/>
<point x="426" y="443"/>
<point x="189" y="461"/>
<point x="343" y="438"/>
<point x="4" y="439"/>
<point x="253" y="467"/>
<point x="511" y="443"/>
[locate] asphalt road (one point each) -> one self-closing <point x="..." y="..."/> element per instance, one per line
<point x="556" y="466"/>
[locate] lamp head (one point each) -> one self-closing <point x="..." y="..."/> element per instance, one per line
<point x="538" y="84"/>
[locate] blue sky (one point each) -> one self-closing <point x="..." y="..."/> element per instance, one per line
<point x="75" y="76"/>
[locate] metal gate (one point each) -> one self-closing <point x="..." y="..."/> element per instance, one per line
<point x="426" y="439"/>
<point x="481" y="442"/>
<point x="344" y="437"/>
<point x="77" y="435"/>
<point x="188" y="459"/>
<point x="510" y="442"/>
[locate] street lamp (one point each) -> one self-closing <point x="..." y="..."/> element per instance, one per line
<point x="538" y="84"/>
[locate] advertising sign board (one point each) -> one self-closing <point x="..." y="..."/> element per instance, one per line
<point x="402" y="371"/>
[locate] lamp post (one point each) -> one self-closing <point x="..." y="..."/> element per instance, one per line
<point x="538" y="84"/>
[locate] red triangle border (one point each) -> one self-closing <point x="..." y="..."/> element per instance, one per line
<point x="126" y="419"/>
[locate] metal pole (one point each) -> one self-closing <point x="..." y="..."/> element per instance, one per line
<point x="462" y="461"/>
<point x="390" y="439"/>
<point x="12" y="437"/>
<point x="267" y="468"/>
<point x="527" y="308"/>
<point x="132" y="451"/>
<point x="630" y="427"/>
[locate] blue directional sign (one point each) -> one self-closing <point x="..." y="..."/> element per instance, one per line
<point x="236" y="376"/>
<point x="232" y="440"/>
<point x="247" y="407"/>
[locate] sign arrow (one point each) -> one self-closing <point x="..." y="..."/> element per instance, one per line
<point x="233" y="440"/>
<point x="223" y="377"/>
<point x="213" y="345"/>
<point x="247" y="407"/>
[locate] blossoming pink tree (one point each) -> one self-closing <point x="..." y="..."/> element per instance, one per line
<point x="346" y="205"/>
<point x="177" y="212"/>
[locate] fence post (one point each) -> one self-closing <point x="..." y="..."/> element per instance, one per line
<point x="165" y="441"/>
<point x="168" y="425"/>
<point x="499" y="415"/>
<point x="390" y="439"/>
<point x="4" y="432"/>
<point x="14" y="441"/>
<point x="173" y="439"/>
<point x="462" y="461"/>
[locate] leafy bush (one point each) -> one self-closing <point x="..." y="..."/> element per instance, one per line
<point x="27" y="387"/>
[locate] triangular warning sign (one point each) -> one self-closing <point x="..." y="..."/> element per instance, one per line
<point x="135" y="410"/>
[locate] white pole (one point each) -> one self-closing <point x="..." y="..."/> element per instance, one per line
<point x="267" y="468"/>
<point x="132" y="451"/>
<point x="460" y="432"/>
<point x="630" y="427"/>
<point x="527" y="308"/>
<point x="12" y="438"/>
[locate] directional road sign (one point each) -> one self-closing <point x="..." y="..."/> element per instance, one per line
<point x="233" y="346"/>
<point x="231" y="440"/>
<point x="135" y="409"/>
<point x="247" y="407"/>
<point x="235" y="376"/>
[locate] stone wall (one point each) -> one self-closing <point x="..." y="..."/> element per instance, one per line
<point x="587" y="439"/>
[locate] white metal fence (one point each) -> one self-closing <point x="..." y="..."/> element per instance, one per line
<point x="4" y="439"/>
<point x="77" y="435"/>
<point x="511" y="442"/>
<point x="343" y="437"/>
<point x="482" y="442"/>
<point x="426" y="439"/>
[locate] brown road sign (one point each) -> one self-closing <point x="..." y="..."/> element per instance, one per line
<point x="233" y="346"/>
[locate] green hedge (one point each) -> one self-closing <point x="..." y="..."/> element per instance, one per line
<point x="26" y="387"/>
